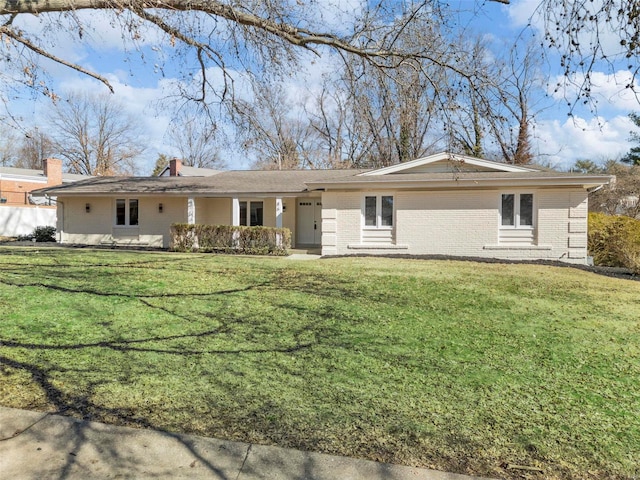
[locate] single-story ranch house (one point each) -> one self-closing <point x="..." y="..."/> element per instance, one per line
<point x="443" y="204"/>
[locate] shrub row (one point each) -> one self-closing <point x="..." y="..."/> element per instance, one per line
<point x="614" y="241"/>
<point x="230" y="239"/>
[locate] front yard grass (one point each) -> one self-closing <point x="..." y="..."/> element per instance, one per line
<point x="458" y="366"/>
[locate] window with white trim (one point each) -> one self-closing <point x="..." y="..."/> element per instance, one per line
<point x="252" y="213"/>
<point x="516" y="210"/>
<point x="378" y="211"/>
<point x="127" y="212"/>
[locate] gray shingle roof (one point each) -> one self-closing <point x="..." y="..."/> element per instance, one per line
<point x="231" y="182"/>
<point x="187" y="171"/>
<point x="259" y="182"/>
<point x="28" y="172"/>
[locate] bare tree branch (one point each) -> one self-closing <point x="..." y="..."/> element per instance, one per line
<point x="5" y="30"/>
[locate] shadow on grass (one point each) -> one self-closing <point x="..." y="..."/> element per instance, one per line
<point x="85" y="403"/>
<point x="255" y="415"/>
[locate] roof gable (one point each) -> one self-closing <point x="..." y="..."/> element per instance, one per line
<point x="448" y="163"/>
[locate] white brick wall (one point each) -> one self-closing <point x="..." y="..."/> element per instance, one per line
<point x="341" y="219"/>
<point x="460" y="223"/>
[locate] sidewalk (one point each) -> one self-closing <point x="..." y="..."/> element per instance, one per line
<point x="36" y="445"/>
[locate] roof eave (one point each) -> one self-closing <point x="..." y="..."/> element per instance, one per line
<point x="181" y="193"/>
<point x="583" y="182"/>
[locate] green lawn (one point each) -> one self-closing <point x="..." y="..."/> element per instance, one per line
<point x="458" y="366"/>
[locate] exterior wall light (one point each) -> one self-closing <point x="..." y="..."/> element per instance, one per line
<point x="160" y="207"/>
<point x="87" y="207"/>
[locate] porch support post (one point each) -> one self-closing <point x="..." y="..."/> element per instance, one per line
<point x="235" y="211"/>
<point x="278" y="212"/>
<point x="191" y="211"/>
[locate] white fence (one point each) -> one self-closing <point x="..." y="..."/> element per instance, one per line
<point x="16" y="221"/>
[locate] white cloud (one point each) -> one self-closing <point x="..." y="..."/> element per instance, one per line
<point x="521" y="12"/>
<point x="541" y="16"/>
<point x="561" y="144"/>
<point x="100" y="30"/>
<point x="334" y="14"/>
<point x="608" y="89"/>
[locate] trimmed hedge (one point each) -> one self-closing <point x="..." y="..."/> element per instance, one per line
<point x="230" y="239"/>
<point x="614" y="241"/>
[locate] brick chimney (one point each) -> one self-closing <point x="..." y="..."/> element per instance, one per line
<point x="53" y="171"/>
<point x="175" y="165"/>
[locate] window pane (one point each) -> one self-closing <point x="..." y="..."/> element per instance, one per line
<point x="507" y="209"/>
<point x="243" y="213"/>
<point x="133" y="212"/>
<point x="387" y="211"/>
<point x="256" y="214"/>
<point x="526" y="209"/>
<point x="370" y="211"/>
<point x="120" y="211"/>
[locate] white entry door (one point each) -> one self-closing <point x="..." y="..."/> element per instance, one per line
<point x="309" y="221"/>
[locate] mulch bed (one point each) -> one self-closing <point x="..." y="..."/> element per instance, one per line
<point x="616" y="272"/>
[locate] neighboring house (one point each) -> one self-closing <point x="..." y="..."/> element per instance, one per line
<point x="20" y="213"/>
<point x="443" y="204"/>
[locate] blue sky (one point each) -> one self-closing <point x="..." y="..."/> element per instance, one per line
<point x="141" y="76"/>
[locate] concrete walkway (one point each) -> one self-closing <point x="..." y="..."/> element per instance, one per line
<point x="36" y="445"/>
<point x="304" y="254"/>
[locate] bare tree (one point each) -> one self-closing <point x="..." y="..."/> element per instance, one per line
<point x="334" y="125"/>
<point x="271" y="35"/>
<point x="512" y="111"/>
<point x="465" y="111"/>
<point x="274" y="128"/>
<point x="221" y="34"/>
<point x="196" y="140"/>
<point x="591" y="33"/>
<point x="491" y="112"/>
<point x="94" y="135"/>
<point x="394" y="112"/>
<point x="8" y="142"/>
<point x="34" y="148"/>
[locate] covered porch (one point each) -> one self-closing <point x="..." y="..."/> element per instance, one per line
<point x="302" y="215"/>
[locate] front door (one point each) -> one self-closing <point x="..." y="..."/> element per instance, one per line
<point x="309" y="221"/>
